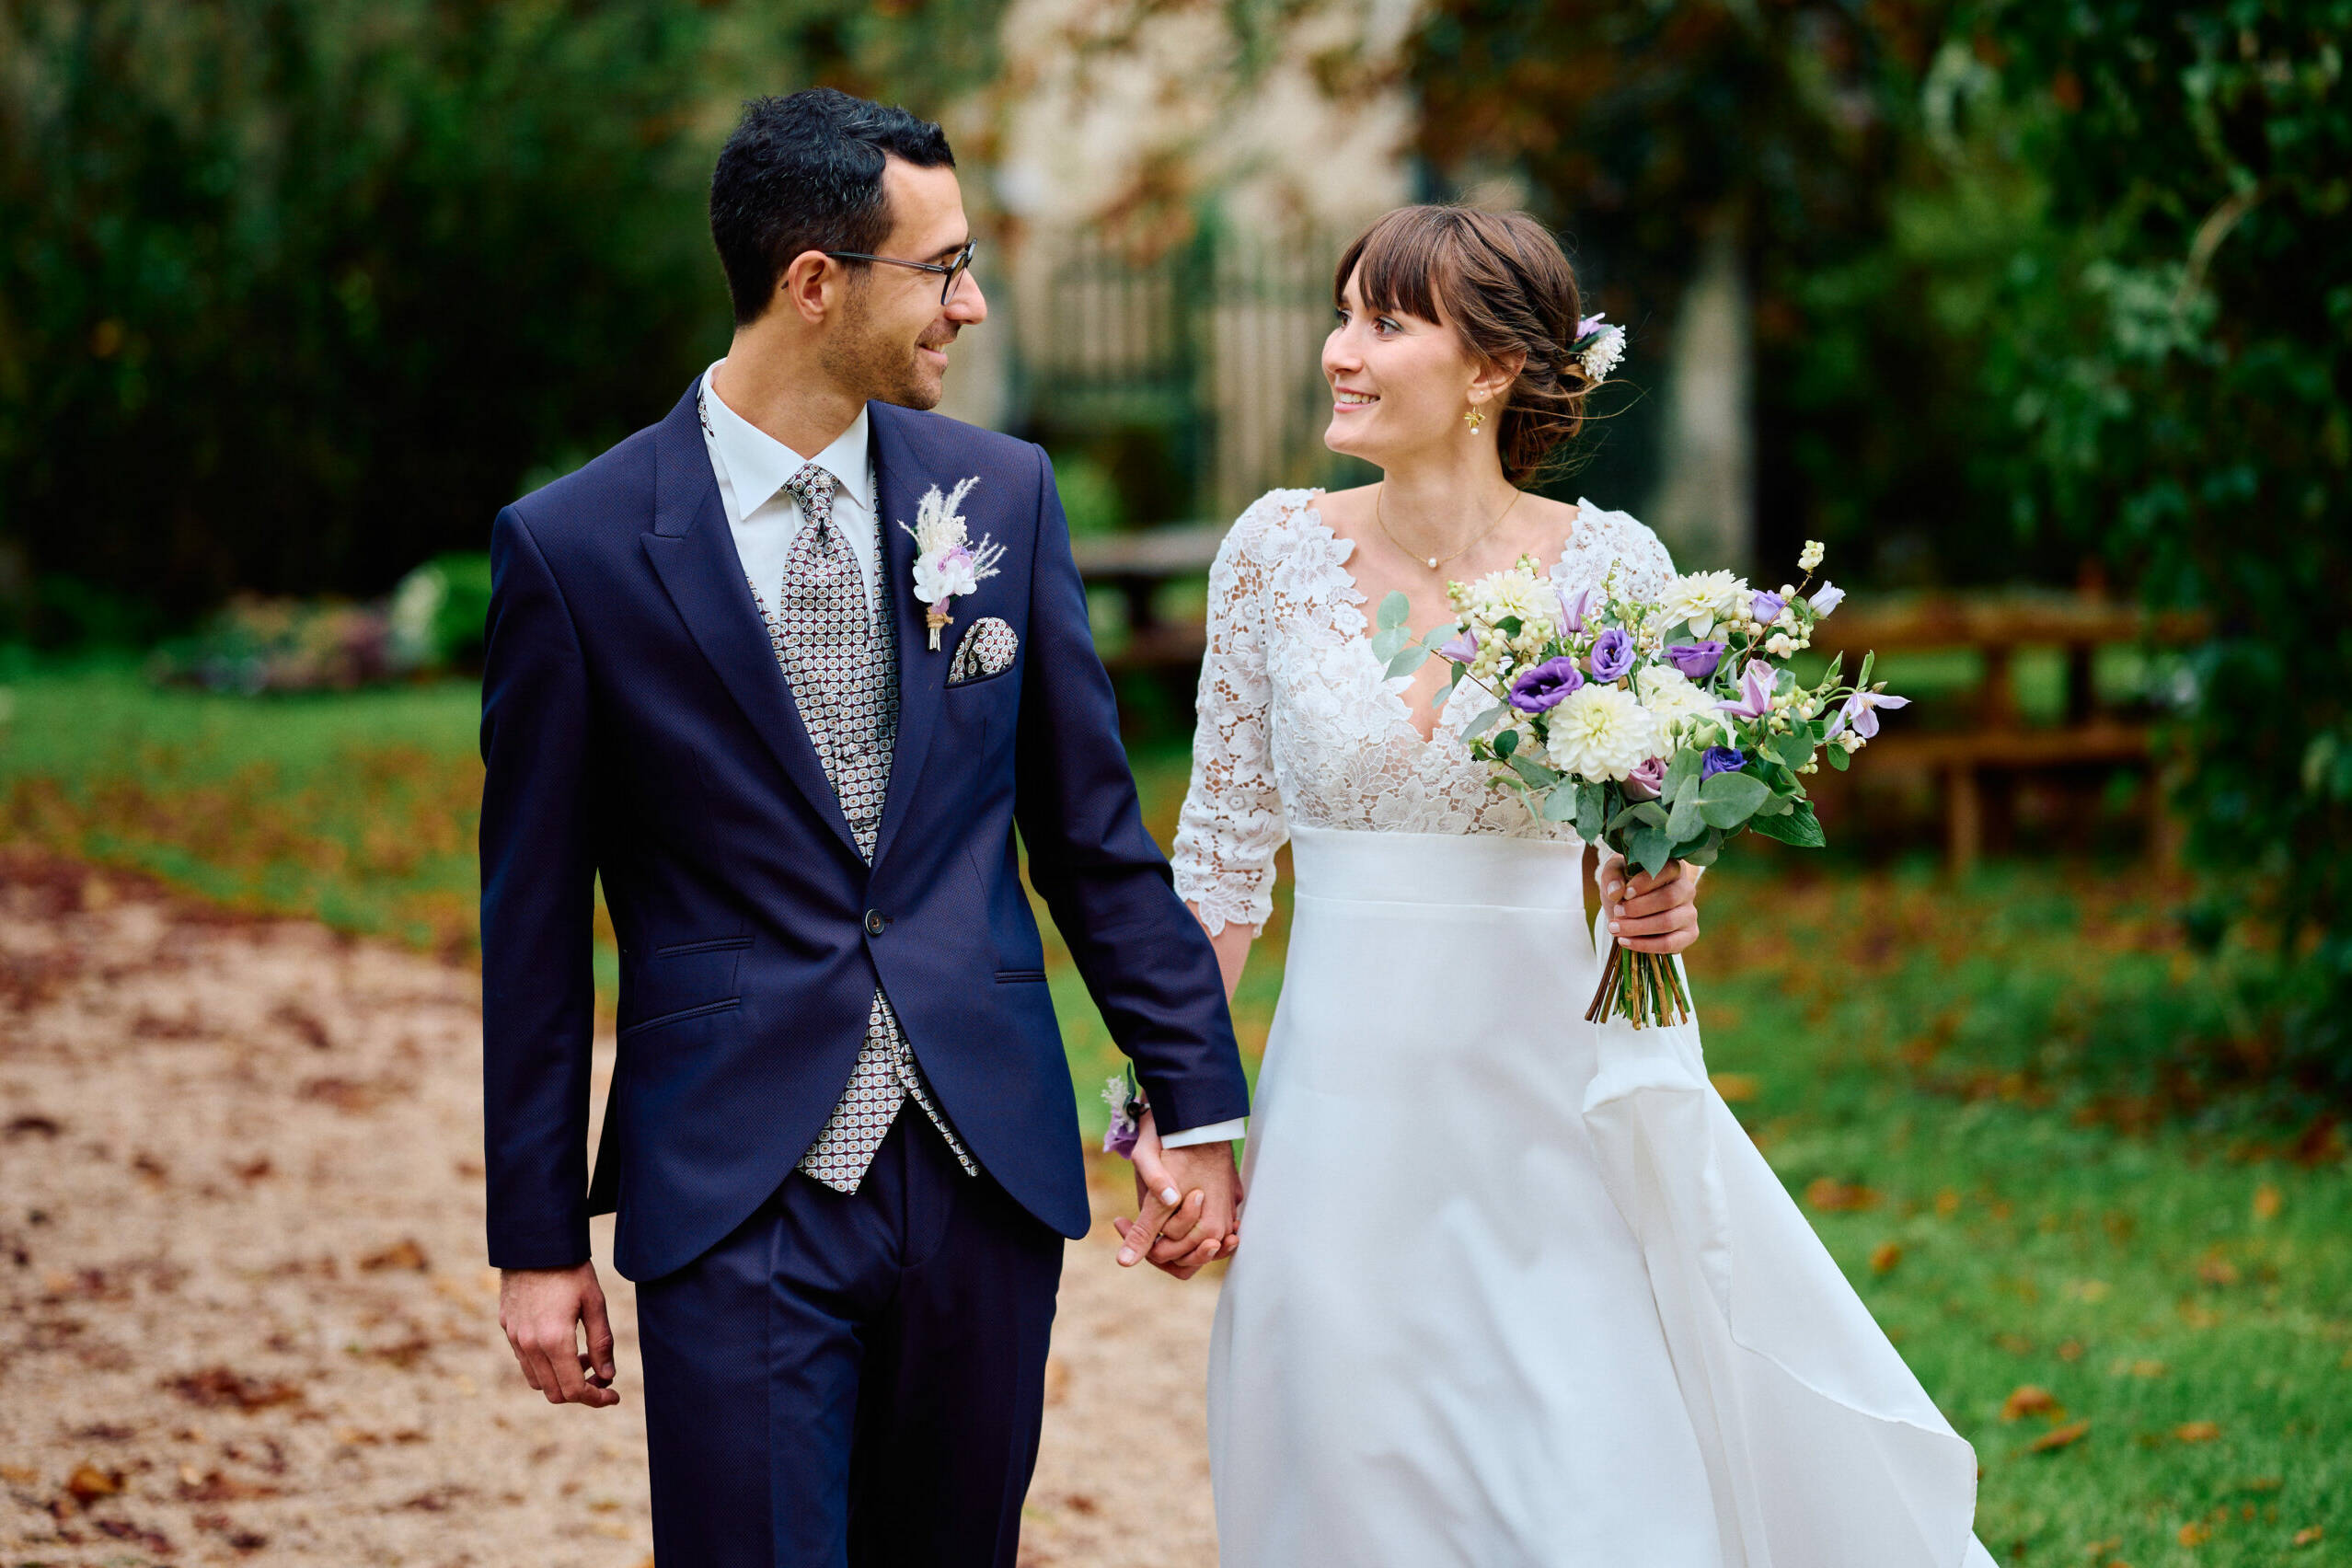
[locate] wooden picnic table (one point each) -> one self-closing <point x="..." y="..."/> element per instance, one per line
<point x="1975" y="767"/>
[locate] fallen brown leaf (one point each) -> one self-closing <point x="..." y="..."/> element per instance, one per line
<point x="1832" y="1197"/>
<point x="217" y="1385"/>
<point x="89" y="1482"/>
<point x="1884" y="1256"/>
<point x="2310" y="1535"/>
<point x="2215" y="1269"/>
<point x="2267" y="1201"/>
<point x="2058" y="1438"/>
<point x="2197" y="1431"/>
<point x="402" y="1254"/>
<point x="2196" y="1534"/>
<point x="2027" y="1399"/>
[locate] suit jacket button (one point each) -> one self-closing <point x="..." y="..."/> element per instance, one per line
<point x="873" y="923"/>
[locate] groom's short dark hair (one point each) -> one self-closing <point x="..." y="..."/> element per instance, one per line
<point x="804" y="172"/>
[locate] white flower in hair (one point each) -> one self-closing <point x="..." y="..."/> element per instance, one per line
<point x="1599" y="346"/>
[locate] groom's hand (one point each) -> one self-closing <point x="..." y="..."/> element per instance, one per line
<point x="542" y="1311"/>
<point x="1188" y="1205"/>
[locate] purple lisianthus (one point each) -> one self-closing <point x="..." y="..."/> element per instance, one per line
<point x="1647" y="781"/>
<point x="1697" y="659"/>
<point x="1767" y="607"/>
<point x="1573" y="610"/>
<point x="1462" y="649"/>
<point x="1827" y="597"/>
<point x="1861" y="711"/>
<point x="1755" y="699"/>
<point x="1541" y="688"/>
<point x="1720" y="759"/>
<point x="1612" y="654"/>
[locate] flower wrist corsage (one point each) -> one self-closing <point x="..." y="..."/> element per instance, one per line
<point x="1126" y="1098"/>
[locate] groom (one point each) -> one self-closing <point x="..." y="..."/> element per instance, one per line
<point x="840" y="1135"/>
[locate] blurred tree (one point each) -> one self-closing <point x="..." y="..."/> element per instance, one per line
<point x="1797" y="132"/>
<point x="2178" y="353"/>
<point x="293" y="293"/>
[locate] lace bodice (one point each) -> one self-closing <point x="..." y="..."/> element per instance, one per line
<point x="1298" y="724"/>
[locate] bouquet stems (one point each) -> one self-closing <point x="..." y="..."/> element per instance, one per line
<point x="1642" y="989"/>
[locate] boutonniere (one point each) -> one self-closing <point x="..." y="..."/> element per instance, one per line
<point x="946" y="564"/>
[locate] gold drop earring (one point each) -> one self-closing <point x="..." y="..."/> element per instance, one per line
<point x="1475" y="418"/>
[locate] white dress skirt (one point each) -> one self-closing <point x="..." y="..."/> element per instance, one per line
<point x="1515" y="1291"/>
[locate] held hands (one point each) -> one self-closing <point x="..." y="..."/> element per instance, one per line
<point x="1181" y="1234"/>
<point x="1651" y="914"/>
<point x="541" y="1310"/>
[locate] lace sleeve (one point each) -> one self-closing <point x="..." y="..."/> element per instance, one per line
<point x="1232" y="822"/>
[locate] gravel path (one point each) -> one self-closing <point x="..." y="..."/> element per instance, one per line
<point x="243" y="1312"/>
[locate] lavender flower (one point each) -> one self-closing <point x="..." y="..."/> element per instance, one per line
<point x="1827" y="597"/>
<point x="1541" y="688"/>
<point x="1766" y="607"/>
<point x="1573" y="612"/>
<point x="1861" y="711"/>
<point x="1612" y="654"/>
<point x="1697" y="659"/>
<point x="1720" y="759"/>
<point x="1462" y="649"/>
<point x="1647" y="781"/>
<point x="1755" y="699"/>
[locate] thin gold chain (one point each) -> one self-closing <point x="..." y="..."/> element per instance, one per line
<point x="1433" y="562"/>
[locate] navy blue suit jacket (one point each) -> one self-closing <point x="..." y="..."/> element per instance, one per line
<point x="635" y="726"/>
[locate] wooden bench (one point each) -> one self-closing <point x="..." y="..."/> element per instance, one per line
<point x="1977" y="767"/>
<point x="1137" y="567"/>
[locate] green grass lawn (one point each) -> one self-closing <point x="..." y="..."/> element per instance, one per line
<point x="1902" y="1048"/>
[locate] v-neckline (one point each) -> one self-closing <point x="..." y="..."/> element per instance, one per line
<point x="1362" y="636"/>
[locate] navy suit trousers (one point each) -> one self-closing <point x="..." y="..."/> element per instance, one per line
<point x="853" y="1381"/>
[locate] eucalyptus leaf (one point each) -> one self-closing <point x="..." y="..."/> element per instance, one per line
<point x="1729" y="798"/>
<point x="1534" y="772"/>
<point x="1650" y="849"/>
<point x="1561" y="804"/>
<point x="1385" y="642"/>
<point x="1407" y="661"/>
<point x="1681" y="773"/>
<point x="1592" y="805"/>
<point x="1706" y="850"/>
<point x="1648" y="812"/>
<point x="1624" y="819"/>
<point x="1684" y="820"/>
<point x="1483" y="722"/>
<point x="1393" y="610"/>
<point x="1505" y="744"/>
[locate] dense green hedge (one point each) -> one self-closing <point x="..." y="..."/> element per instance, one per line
<point x="293" y="293"/>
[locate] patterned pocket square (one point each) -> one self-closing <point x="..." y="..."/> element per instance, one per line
<point x="987" y="650"/>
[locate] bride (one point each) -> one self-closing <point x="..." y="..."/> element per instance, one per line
<point x="1516" y="1290"/>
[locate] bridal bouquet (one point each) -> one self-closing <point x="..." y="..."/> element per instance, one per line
<point x="1659" y="728"/>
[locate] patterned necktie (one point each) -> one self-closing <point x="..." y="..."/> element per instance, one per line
<point x="842" y="662"/>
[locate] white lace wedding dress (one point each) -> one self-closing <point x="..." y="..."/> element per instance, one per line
<point x="1513" y="1290"/>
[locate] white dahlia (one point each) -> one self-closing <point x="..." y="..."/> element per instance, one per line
<point x="1600" y="733"/>
<point x="1700" y="599"/>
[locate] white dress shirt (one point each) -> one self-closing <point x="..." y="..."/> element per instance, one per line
<point x="766" y="518"/>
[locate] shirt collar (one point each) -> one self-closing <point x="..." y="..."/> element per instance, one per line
<point x="758" y="464"/>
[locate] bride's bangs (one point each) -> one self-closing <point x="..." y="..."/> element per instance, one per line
<point x="1401" y="264"/>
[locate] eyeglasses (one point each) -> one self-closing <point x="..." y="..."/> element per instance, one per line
<point x="953" y="270"/>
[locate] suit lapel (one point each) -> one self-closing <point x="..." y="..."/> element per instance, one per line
<point x="899" y="482"/>
<point x="694" y="553"/>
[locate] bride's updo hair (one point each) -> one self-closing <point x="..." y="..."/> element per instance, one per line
<point x="1503" y="282"/>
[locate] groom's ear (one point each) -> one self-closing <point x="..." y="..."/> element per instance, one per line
<point x="810" y="287"/>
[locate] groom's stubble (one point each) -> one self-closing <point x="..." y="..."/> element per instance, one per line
<point x="873" y="360"/>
